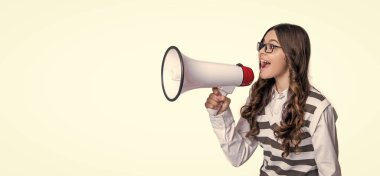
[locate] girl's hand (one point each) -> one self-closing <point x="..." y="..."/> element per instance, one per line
<point x="217" y="101"/>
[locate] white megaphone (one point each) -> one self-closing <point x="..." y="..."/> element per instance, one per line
<point x="180" y="73"/>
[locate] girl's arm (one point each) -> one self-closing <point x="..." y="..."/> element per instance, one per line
<point x="235" y="145"/>
<point x="325" y="144"/>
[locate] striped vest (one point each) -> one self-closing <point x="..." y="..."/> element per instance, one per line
<point x="302" y="163"/>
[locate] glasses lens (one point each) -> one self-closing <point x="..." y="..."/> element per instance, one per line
<point x="260" y="45"/>
<point x="269" y="48"/>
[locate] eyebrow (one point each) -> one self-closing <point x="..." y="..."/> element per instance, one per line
<point x="273" y="40"/>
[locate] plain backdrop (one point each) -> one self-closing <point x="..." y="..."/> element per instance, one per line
<point x="80" y="88"/>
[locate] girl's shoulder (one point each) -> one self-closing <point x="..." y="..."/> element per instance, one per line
<point x="315" y="100"/>
<point x="315" y="93"/>
<point x="316" y="103"/>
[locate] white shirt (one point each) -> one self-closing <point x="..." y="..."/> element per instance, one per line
<point x="238" y="148"/>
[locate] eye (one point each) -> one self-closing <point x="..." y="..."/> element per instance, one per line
<point x="271" y="46"/>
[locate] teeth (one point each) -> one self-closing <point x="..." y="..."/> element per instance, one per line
<point x="265" y="62"/>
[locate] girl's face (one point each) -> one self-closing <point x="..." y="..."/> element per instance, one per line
<point x="272" y="58"/>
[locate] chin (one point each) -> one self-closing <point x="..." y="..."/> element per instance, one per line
<point x="263" y="76"/>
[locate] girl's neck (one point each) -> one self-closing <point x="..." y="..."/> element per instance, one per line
<point x="282" y="82"/>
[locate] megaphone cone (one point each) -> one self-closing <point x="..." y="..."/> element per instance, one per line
<point x="180" y="73"/>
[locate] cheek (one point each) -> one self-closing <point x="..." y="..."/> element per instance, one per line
<point x="283" y="64"/>
<point x="279" y="63"/>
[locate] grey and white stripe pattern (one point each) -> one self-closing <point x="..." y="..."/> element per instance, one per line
<point x="296" y="164"/>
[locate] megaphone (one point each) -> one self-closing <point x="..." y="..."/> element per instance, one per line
<point x="180" y="73"/>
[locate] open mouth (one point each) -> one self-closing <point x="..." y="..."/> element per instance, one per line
<point x="264" y="64"/>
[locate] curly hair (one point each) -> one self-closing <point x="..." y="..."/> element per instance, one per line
<point x="296" y="46"/>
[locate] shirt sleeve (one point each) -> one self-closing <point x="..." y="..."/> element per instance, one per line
<point x="325" y="144"/>
<point x="237" y="148"/>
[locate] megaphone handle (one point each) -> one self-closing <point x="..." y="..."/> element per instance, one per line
<point x="224" y="91"/>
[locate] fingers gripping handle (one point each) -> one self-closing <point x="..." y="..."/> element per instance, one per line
<point x="225" y="90"/>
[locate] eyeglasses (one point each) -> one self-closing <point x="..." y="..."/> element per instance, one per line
<point x="268" y="47"/>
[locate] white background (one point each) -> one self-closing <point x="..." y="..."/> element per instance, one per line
<point x="80" y="90"/>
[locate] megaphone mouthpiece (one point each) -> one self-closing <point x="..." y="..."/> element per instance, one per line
<point x="248" y="75"/>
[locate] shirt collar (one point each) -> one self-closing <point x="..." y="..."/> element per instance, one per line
<point x="279" y="95"/>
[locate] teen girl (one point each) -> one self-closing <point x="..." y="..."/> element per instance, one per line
<point x="290" y="119"/>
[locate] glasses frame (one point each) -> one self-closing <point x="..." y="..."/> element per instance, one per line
<point x="268" y="47"/>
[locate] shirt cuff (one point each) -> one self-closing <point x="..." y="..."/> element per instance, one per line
<point x="222" y="120"/>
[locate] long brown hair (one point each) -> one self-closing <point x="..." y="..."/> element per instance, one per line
<point x="295" y="43"/>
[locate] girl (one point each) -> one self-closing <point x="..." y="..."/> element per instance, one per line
<point x="290" y="119"/>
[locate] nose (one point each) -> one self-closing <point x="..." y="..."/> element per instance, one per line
<point x="262" y="51"/>
<point x="261" y="55"/>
